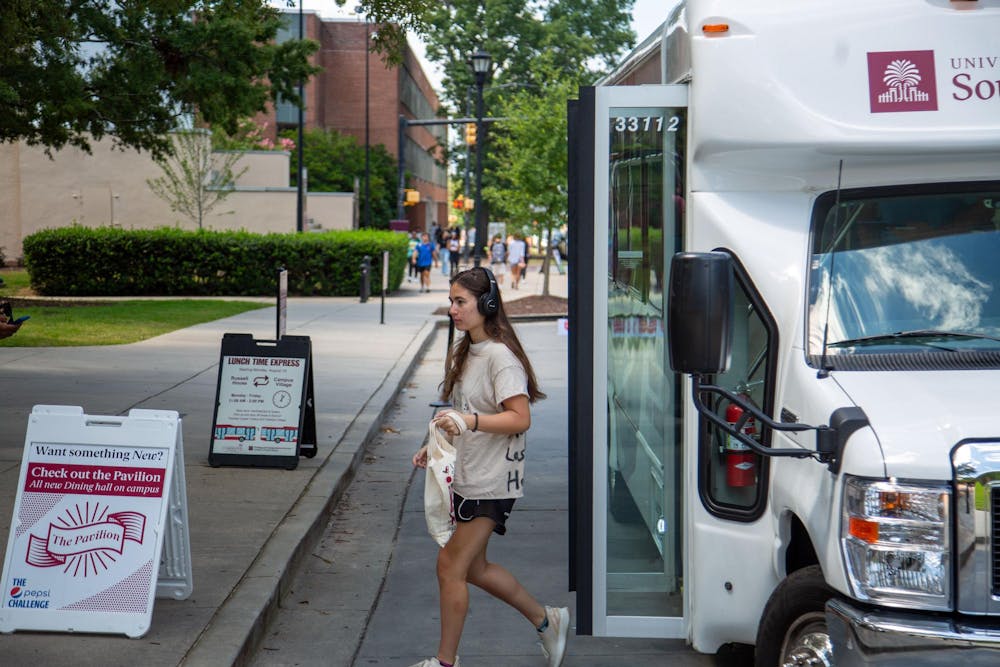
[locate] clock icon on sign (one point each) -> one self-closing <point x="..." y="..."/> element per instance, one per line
<point x="281" y="399"/>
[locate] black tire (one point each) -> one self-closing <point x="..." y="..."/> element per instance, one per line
<point x="794" y="612"/>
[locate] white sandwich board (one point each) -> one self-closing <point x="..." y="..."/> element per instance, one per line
<point x="90" y="519"/>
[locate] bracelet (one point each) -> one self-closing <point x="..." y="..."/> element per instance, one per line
<point x="475" y="427"/>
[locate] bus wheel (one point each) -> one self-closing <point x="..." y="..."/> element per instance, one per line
<point x="793" y="627"/>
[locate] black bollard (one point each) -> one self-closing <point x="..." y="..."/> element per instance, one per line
<point x="366" y="286"/>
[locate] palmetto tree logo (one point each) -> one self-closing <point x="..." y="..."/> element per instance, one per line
<point x="902" y="81"/>
<point x="901" y="74"/>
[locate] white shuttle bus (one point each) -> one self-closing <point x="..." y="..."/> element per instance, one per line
<point x="785" y="333"/>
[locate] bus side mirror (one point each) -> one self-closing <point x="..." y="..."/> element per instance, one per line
<point x="699" y="315"/>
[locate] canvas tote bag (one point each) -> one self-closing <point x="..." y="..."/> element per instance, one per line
<point x="439" y="511"/>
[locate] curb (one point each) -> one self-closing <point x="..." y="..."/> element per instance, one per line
<point x="239" y="624"/>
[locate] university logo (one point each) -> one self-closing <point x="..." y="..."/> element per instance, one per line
<point x="902" y="81"/>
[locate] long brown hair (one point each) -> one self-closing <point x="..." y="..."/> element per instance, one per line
<point x="497" y="327"/>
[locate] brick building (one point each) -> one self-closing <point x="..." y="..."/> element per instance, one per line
<point x="335" y="99"/>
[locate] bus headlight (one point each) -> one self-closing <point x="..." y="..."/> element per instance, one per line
<point x="896" y="542"/>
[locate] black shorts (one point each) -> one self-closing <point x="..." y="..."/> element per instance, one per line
<point x="497" y="509"/>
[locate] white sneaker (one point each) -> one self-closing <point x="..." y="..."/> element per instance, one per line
<point x="433" y="662"/>
<point x="554" y="637"/>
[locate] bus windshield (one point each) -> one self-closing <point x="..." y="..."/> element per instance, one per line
<point x="907" y="272"/>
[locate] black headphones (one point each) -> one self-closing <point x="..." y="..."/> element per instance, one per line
<point x="489" y="302"/>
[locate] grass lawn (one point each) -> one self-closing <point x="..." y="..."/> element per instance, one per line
<point x="111" y="323"/>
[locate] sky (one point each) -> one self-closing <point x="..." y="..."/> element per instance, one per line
<point x="647" y="15"/>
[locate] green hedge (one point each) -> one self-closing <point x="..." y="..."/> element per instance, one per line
<point x="106" y="261"/>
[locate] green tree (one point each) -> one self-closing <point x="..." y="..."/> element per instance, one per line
<point x="531" y="146"/>
<point x="335" y="163"/>
<point x="579" y="38"/>
<point x="394" y="18"/>
<point x="74" y="71"/>
<point x="531" y="42"/>
<point x="195" y="178"/>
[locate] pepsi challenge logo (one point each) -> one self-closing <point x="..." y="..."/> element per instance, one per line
<point x="22" y="597"/>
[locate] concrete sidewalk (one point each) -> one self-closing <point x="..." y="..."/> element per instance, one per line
<point x="247" y="525"/>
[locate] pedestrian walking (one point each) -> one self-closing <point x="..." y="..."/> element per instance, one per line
<point x="444" y="251"/>
<point x="516" y="251"/>
<point x="454" y="249"/>
<point x="491" y="384"/>
<point x="498" y="258"/>
<point x="411" y="257"/>
<point x="426" y="254"/>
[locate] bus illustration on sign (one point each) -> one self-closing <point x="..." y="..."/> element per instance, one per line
<point x="231" y="432"/>
<point x="279" y="434"/>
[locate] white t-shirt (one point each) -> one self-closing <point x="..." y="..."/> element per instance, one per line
<point x="489" y="465"/>
<point x="515" y="253"/>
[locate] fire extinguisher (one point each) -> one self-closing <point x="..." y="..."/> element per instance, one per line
<point x="741" y="462"/>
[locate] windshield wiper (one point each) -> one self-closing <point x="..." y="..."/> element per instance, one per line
<point x="915" y="333"/>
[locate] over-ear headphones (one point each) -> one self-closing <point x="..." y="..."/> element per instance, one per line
<point x="489" y="302"/>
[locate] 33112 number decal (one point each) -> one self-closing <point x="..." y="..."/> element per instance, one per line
<point x="645" y="123"/>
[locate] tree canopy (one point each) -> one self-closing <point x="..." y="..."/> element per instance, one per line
<point x="395" y="18"/>
<point x="578" y="39"/>
<point x="530" y="143"/>
<point x="536" y="46"/>
<point x="73" y="71"/>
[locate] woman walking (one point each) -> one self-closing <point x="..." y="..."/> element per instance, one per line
<point x="516" y="254"/>
<point x="491" y="384"/>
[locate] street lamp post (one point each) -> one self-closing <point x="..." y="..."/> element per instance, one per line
<point x="481" y="62"/>
<point x="367" y="195"/>
<point x="300" y="149"/>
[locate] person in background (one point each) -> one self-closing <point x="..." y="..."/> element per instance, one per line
<point x="515" y="259"/>
<point x="491" y="384"/>
<point x="444" y="251"/>
<point x="437" y="235"/>
<point x="411" y="257"/>
<point x="7" y="329"/>
<point x="498" y="258"/>
<point x="7" y="326"/>
<point x="454" y="249"/>
<point x="425" y="259"/>
<point x="556" y="239"/>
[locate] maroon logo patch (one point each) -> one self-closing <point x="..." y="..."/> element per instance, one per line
<point x="902" y="81"/>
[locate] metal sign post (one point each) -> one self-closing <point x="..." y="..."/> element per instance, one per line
<point x="282" y="303"/>
<point x="385" y="282"/>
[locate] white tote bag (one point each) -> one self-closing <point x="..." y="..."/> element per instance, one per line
<point x="439" y="511"/>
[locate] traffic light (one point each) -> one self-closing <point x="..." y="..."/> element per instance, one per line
<point x="459" y="202"/>
<point x="412" y="197"/>
<point x="470" y="134"/>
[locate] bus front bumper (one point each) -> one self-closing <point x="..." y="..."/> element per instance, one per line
<point x="891" y="638"/>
